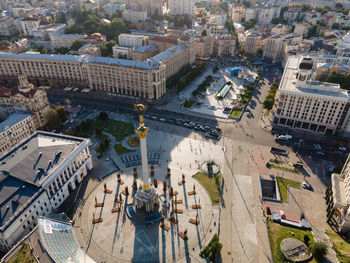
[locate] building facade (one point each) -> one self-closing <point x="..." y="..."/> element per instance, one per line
<point x="29" y="24"/>
<point x="225" y="45"/>
<point x="128" y="77"/>
<point x="307" y="104"/>
<point x="14" y="129"/>
<point x="131" y="40"/>
<point x="60" y="164"/>
<point x="26" y="98"/>
<point x="338" y="199"/>
<point x="64" y="40"/>
<point x="181" y="7"/>
<point x="7" y="27"/>
<point x="145" y="52"/>
<point x="134" y="16"/>
<point x="252" y="44"/>
<point x="205" y="46"/>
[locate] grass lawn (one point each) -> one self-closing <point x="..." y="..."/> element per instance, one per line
<point x="283" y="186"/>
<point x="211" y="185"/>
<point x="118" y="129"/>
<point x="286" y="169"/>
<point x="188" y="104"/>
<point x="278" y="232"/>
<point x="341" y="247"/>
<point x="120" y="149"/>
<point x="236" y="113"/>
<point x="24" y="255"/>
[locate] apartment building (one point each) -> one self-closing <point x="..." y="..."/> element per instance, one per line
<point x="95" y="39"/>
<point x="174" y="59"/>
<point x="37" y="176"/>
<point x="144" y="52"/>
<point x="237" y="13"/>
<point x="116" y="76"/>
<point x="252" y="43"/>
<point x="205" y="46"/>
<point x="29" y="24"/>
<point x="301" y="29"/>
<point x="7" y="26"/>
<point x="181" y="7"/>
<point x="90" y="50"/>
<point x="134" y="16"/>
<point x="26" y="98"/>
<point x="162" y="42"/>
<point x="338" y="199"/>
<point x="307" y="104"/>
<point x="225" y="44"/>
<point x="132" y="40"/>
<point x="44" y="70"/>
<point x="64" y="40"/>
<point x="275" y="46"/>
<point x="150" y="6"/>
<point x="128" y="77"/>
<point x="14" y="129"/>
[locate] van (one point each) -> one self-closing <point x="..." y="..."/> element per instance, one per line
<point x="283" y="137"/>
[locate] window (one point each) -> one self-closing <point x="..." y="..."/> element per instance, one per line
<point x="24" y="227"/>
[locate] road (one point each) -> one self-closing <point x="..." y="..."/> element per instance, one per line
<point x="238" y="138"/>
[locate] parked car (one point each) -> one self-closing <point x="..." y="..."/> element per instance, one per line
<point x="306" y="186"/>
<point x="341" y="148"/>
<point x="320" y="153"/>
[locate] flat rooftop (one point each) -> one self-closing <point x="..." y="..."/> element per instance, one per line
<point x="24" y="169"/>
<point x="315" y="88"/>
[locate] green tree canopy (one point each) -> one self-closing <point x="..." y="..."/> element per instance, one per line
<point x="77" y="44"/>
<point x="319" y="251"/>
<point x="61" y="18"/>
<point x="4" y="43"/>
<point x="250" y="24"/>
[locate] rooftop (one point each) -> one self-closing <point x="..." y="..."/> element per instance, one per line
<point x="169" y="53"/>
<point x="25" y="168"/>
<point x="126" y="63"/>
<point x="290" y="83"/>
<point x="13" y="119"/>
<point x="44" y="57"/>
<point x="147" y="48"/>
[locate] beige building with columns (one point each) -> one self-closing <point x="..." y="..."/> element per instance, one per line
<point x="304" y="103"/>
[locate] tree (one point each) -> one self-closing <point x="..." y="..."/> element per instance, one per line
<point x="61" y="114"/>
<point x="4" y="43"/>
<point x="279" y="20"/>
<point x="338" y="5"/>
<point x="86" y="125"/>
<point x="77" y="44"/>
<point x="250" y="24"/>
<point x="103" y="116"/>
<point x="62" y="50"/>
<point x="319" y="251"/>
<point x="61" y="18"/>
<point x="52" y="119"/>
<point x="336" y="26"/>
<point x="204" y="33"/>
<point x="156" y="15"/>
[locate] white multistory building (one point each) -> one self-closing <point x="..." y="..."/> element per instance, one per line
<point x="29" y="24"/>
<point x="36" y="176"/>
<point x="181" y="7"/>
<point x="302" y="102"/>
<point x="132" y="40"/>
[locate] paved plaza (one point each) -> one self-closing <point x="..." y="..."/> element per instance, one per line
<point x="123" y="239"/>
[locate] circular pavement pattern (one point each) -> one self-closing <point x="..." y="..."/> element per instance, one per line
<point x="120" y="239"/>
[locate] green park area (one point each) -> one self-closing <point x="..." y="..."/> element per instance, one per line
<point x="283" y="187"/>
<point x="236" y="113"/>
<point x="120" y="149"/>
<point x="118" y="129"/>
<point x="279" y="232"/>
<point x="24" y="255"/>
<point x="188" y="104"/>
<point x="212" y="184"/>
<point x="340" y="246"/>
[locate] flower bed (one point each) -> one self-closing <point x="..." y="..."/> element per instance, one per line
<point x="134" y="141"/>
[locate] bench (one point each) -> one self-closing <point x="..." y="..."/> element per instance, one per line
<point x="196" y="206"/>
<point x="97" y="220"/>
<point x="99" y="204"/>
<point x="117" y="209"/>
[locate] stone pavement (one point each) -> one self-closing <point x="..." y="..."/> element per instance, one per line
<point x="122" y="239"/>
<point x="311" y="203"/>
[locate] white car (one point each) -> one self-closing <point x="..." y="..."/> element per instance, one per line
<point x="341" y="148"/>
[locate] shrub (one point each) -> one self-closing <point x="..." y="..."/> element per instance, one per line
<point x="306" y="240"/>
<point x="319" y="251"/>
